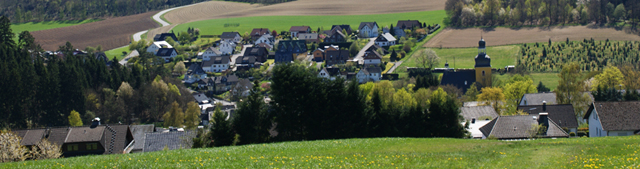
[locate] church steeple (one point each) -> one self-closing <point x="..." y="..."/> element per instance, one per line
<point x="482" y="49"/>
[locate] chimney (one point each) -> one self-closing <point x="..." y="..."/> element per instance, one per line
<point x="95" y="122"/>
<point x="544" y="120"/>
<point x="544" y="106"/>
<point x="473" y="121"/>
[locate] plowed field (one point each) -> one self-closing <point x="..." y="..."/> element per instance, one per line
<point x="110" y="33"/>
<point x="457" y="38"/>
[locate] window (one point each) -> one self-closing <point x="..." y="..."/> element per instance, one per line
<point x="483" y="73"/>
<point x="72" y="147"/>
<point x="92" y="146"/>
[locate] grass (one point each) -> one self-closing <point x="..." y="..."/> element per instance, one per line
<point x="603" y="152"/>
<point x="280" y="23"/>
<point x="117" y="52"/>
<point x="37" y="26"/>
<point x="548" y="79"/>
<point x="501" y="56"/>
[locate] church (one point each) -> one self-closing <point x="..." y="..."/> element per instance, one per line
<point x="463" y="78"/>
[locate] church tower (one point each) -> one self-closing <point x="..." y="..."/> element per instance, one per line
<point x="483" y="65"/>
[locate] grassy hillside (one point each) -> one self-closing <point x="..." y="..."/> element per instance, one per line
<point x="280" y="23"/>
<point x="607" y="152"/>
<point x="37" y="26"/>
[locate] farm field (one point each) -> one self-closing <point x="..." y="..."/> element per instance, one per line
<point x="36" y="26"/>
<point x="468" y="37"/>
<point x="110" y="33"/>
<point x="280" y="23"/>
<point x="603" y="152"/>
<point x="501" y="56"/>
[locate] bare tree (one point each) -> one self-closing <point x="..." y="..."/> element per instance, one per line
<point x="428" y="58"/>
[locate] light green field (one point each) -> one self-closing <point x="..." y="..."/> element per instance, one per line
<point x="283" y="23"/>
<point x="603" y="152"/>
<point x="117" y="52"/>
<point x="37" y="26"/>
<point x="548" y="79"/>
<point x="501" y="56"/>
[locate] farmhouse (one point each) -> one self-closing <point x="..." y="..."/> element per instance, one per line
<point x="231" y="37"/>
<point x="522" y="127"/>
<point x="463" y="79"/>
<point x="295" y="30"/>
<point x="288" y="50"/>
<point x="368" y="29"/>
<point x="613" y="118"/>
<point x="155" y="46"/>
<point x="385" y="39"/>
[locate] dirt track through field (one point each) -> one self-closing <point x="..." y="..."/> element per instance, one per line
<point x="457" y="38"/>
<point x="110" y="33"/>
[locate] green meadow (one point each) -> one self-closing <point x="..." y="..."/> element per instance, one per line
<point x="117" y="52"/>
<point x="501" y="56"/>
<point x="283" y="23"/>
<point x="37" y="26"/>
<point x="603" y="152"/>
<point x="548" y="79"/>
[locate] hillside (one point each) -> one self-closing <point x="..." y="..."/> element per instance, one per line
<point x="607" y="152"/>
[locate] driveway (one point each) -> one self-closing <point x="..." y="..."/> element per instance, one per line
<point x="133" y="53"/>
<point x="395" y="66"/>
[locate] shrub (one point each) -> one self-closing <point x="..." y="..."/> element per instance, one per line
<point x="45" y="150"/>
<point x="11" y="150"/>
<point x="572" y="134"/>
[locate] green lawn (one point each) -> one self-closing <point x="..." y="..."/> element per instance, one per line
<point x="37" y="26"/>
<point x="604" y="152"/>
<point x="117" y="52"/>
<point x="548" y="79"/>
<point x="501" y="56"/>
<point x="280" y="23"/>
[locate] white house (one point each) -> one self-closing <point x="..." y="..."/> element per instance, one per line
<point x="266" y="38"/>
<point x="226" y="48"/>
<point x="372" y="58"/>
<point x="231" y="37"/>
<point x="369" y="74"/>
<point x="368" y="29"/>
<point x="330" y="73"/>
<point x="167" y="53"/>
<point x="216" y="64"/>
<point x="613" y="118"/>
<point x="155" y="46"/>
<point x="209" y="53"/>
<point x="385" y="39"/>
<point x="194" y="74"/>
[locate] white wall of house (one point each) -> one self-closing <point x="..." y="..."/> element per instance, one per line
<point x="207" y="54"/>
<point x="374" y="77"/>
<point x="595" y="127"/>
<point x="155" y="46"/>
<point x="386" y="43"/>
<point x="173" y="55"/>
<point x="362" y="77"/>
<point x="264" y="39"/>
<point x="194" y="78"/>
<point x="367" y="32"/>
<point x="219" y="67"/>
<point x="227" y="48"/>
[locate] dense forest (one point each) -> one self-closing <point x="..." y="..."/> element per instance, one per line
<point x="48" y="10"/>
<point x="589" y="54"/>
<point x="540" y="12"/>
<point x="42" y="91"/>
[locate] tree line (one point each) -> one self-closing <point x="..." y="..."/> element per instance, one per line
<point x="43" y="90"/>
<point x="307" y="107"/>
<point x="21" y="11"/>
<point x="540" y="12"/>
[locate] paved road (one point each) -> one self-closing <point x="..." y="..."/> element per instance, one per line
<point x="364" y="49"/>
<point x="133" y="53"/>
<point x="156" y="17"/>
<point x="395" y="66"/>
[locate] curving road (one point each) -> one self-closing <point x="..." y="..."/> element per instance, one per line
<point x="156" y="17"/>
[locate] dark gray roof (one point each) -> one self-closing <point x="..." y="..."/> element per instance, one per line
<point x="229" y="35"/>
<point x="85" y="134"/>
<point x="537" y="98"/>
<point x="458" y="79"/>
<point x="200" y="97"/>
<point x="122" y="139"/>
<point x="139" y="133"/>
<point x="216" y="60"/>
<point x="299" y="29"/>
<point x="482" y="60"/>
<point x="256" y="51"/>
<point x="172" y="140"/>
<point x="58" y="135"/>
<point x="369" y="24"/>
<point x="517" y="127"/>
<point x="563" y="114"/>
<point x="332" y="71"/>
<point x="163" y="36"/>
<point x="617" y="116"/>
<point x="30" y="137"/>
<point x="195" y="69"/>
<point x="246" y="60"/>
<point x="372" y="55"/>
<point x="475" y="112"/>
<point x="374" y="70"/>
<point x="226" y="78"/>
<point x="165" y="51"/>
<point x="408" y="24"/>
